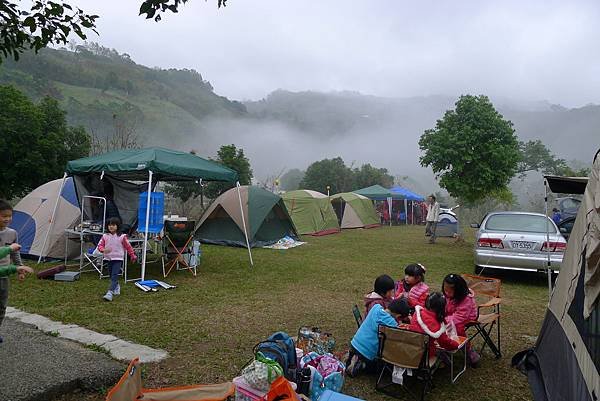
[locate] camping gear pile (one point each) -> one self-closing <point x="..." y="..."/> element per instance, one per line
<point x="276" y="373"/>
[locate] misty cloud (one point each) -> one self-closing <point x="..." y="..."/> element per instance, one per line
<point x="532" y="50"/>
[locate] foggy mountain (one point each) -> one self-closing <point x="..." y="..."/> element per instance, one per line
<point x="180" y="109"/>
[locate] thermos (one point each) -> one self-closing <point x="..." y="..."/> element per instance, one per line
<point x="304" y="381"/>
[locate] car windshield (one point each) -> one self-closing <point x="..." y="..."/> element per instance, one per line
<point x="519" y="222"/>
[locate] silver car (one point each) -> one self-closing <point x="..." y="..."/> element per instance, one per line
<point x="518" y="241"/>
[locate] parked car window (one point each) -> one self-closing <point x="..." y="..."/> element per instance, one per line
<point x="569" y="203"/>
<point x="520" y="222"/>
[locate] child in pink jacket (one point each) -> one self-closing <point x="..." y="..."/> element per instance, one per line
<point x="413" y="285"/>
<point x="461" y="307"/>
<point x="113" y="245"/>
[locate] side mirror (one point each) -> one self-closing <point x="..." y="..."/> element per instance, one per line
<point x="475" y="225"/>
<point x="563" y="230"/>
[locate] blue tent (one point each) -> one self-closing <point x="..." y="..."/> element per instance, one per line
<point x="406" y="194"/>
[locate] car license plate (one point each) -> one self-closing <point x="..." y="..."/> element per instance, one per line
<point x="522" y="244"/>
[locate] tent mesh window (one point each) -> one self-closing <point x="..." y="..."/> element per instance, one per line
<point x="589" y="329"/>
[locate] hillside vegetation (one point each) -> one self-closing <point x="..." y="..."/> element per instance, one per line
<point x="97" y="86"/>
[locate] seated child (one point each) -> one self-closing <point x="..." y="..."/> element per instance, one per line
<point x="430" y="320"/>
<point x="364" y="344"/>
<point x="413" y="285"/>
<point x="383" y="292"/>
<point x="461" y="307"/>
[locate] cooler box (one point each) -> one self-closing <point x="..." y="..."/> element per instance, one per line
<point x="157" y="211"/>
<point x="329" y="395"/>
<point x="66" y="276"/>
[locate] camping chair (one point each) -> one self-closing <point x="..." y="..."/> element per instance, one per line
<point x="131" y="388"/>
<point x="357" y="316"/>
<point x="409" y="350"/>
<point x="486" y="289"/>
<point x="179" y="250"/>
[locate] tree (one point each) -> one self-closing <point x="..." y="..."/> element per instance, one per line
<point x="50" y="22"/>
<point x="35" y="142"/>
<point x="234" y="158"/>
<point x="154" y="8"/>
<point x="46" y="22"/>
<point x="368" y="175"/>
<point x="473" y="150"/>
<point x="291" y="179"/>
<point x="535" y="156"/>
<point x="328" y="172"/>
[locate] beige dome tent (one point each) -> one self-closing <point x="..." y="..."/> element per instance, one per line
<point x="354" y="210"/>
<point x="565" y="362"/>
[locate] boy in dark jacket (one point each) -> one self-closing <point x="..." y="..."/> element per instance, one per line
<point x="383" y="292"/>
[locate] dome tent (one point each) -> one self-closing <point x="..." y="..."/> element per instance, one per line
<point x="354" y="210"/>
<point x="32" y="218"/>
<point x="267" y="219"/>
<point x="311" y="212"/>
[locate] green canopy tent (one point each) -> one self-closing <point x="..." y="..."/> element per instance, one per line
<point x="311" y="212"/>
<point x="151" y="165"/>
<point x="267" y="219"/>
<point x="379" y="193"/>
<point x="354" y="210"/>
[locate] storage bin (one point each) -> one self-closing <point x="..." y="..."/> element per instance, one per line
<point x="243" y="391"/>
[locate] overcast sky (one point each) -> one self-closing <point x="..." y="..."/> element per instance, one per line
<point x="526" y="50"/>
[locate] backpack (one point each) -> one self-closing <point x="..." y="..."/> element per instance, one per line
<point x="281" y="348"/>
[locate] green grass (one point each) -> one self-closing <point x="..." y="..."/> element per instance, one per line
<point x="210" y="323"/>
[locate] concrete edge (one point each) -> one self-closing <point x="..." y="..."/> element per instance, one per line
<point x="118" y="349"/>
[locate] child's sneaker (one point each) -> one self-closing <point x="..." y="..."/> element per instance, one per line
<point x="117" y="290"/>
<point x="108" y="296"/>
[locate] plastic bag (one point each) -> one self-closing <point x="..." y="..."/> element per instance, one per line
<point x="451" y="331"/>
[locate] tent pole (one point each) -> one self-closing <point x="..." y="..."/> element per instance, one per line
<point x="237" y="184"/>
<point x="147" y="224"/>
<point x="549" y="263"/>
<point x="405" y="212"/>
<point x="51" y="222"/>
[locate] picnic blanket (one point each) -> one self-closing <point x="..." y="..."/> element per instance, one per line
<point x="285" y="243"/>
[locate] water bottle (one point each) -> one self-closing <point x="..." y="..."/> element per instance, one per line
<point x="304" y="381"/>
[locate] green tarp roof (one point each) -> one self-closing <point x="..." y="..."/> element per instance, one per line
<point x="375" y="192"/>
<point x="165" y="164"/>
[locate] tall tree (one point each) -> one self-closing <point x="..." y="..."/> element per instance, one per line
<point x="368" y="175"/>
<point x="473" y="150"/>
<point x="35" y="142"/>
<point x="328" y="172"/>
<point x="234" y="158"/>
<point x="535" y="156"/>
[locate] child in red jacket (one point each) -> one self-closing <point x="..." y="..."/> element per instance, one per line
<point x="430" y="321"/>
<point x="413" y="285"/>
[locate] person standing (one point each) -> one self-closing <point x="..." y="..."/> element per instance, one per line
<point x="433" y="213"/>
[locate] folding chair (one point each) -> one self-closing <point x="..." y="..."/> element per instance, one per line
<point x="357" y="316"/>
<point x="487" y="294"/>
<point x="179" y="250"/>
<point x="409" y="350"/>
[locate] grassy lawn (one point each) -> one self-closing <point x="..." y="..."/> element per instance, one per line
<point x="210" y="323"/>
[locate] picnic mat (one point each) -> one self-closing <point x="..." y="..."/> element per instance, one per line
<point x="285" y="243"/>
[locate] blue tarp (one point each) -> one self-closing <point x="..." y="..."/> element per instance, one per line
<point x="406" y="194"/>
